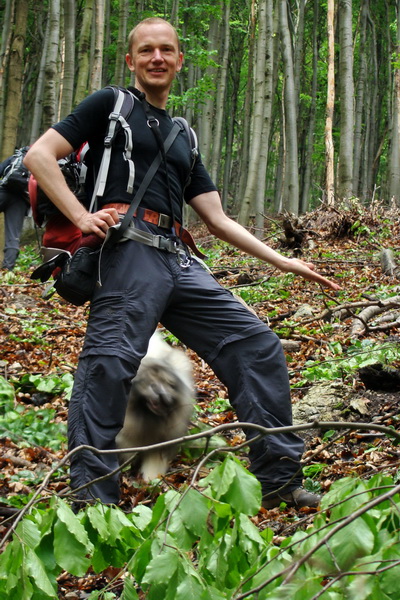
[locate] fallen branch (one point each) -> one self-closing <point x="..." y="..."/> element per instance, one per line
<point x="204" y="434"/>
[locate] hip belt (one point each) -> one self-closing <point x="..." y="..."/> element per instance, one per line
<point x="161" y="220"/>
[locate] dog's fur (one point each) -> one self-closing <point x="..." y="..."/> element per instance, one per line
<point x="159" y="407"/>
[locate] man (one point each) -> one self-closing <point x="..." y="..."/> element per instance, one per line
<point x="143" y="285"/>
<point x="14" y="203"/>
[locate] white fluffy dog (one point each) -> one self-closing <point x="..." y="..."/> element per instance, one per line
<point x="159" y="407"/>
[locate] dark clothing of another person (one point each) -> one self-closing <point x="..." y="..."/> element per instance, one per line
<point x="15" y="208"/>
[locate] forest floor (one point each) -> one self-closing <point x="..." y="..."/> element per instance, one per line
<point x="43" y="337"/>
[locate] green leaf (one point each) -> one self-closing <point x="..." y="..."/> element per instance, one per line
<point x="189" y="589"/>
<point x="194" y="510"/>
<point x="161" y="568"/>
<point x="232" y="483"/>
<point x="141" y="516"/>
<point x="129" y="592"/>
<point x="352" y="542"/>
<point x="69" y="552"/>
<point x="37" y="572"/>
<point x="29" y="533"/>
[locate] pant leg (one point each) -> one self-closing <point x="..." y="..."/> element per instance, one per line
<point x="96" y="414"/>
<point x="124" y="313"/>
<point x="254" y="371"/>
<point x="15" y="209"/>
<point x="248" y="358"/>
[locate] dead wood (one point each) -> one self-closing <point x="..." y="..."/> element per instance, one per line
<point x="360" y="322"/>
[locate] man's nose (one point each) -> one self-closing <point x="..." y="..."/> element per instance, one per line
<point x="157" y="54"/>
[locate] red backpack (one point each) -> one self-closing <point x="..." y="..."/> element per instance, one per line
<point x="59" y="233"/>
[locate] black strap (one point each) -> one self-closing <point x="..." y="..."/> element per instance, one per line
<point x="118" y="233"/>
<point x="155" y="127"/>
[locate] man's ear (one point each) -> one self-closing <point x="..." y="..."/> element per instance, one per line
<point x="128" y="59"/>
<point x="180" y="62"/>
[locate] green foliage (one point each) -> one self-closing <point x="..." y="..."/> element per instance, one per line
<point x="344" y="362"/>
<point x="202" y="544"/>
<point x="28" y="426"/>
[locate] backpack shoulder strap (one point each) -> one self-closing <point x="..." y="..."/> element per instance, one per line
<point x="123" y="105"/>
<point x="192" y="137"/>
<point x="193" y="143"/>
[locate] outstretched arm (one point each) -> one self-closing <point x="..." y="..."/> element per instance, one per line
<point x="41" y="160"/>
<point x="209" y="208"/>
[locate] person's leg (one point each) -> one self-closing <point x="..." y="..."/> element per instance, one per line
<point x="248" y="358"/>
<point x="14" y="214"/>
<point x="123" y="315"/>
<point x="96" y="414"/>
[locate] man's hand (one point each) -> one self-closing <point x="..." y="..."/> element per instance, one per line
<point x="98" y="222"/>
<point x="307" y="270"/>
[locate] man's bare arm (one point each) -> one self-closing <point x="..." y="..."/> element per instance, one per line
<point x="209" y="208"/>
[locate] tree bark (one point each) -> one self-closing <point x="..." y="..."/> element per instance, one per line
<point x="81" y="87"/>
<point x="257" y="120"/>
<point x="291" y="181"/>
<point x="96" y="77"/>
<point x="69" y="60"/>
<point x="346" y="86"/>
<point x="50" y="84"/>
<point x="394" y="168"/>
<point x="216" y="162"/>
<point x="119" y="74"/>
<point x="330" y="106"/>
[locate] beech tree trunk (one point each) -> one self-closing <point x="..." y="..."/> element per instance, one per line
<point x="14" y="78"/>
<point x="346" y="87"/>
<point x="83" y="57"/>
<point x="291" y="179"/>
<point x="330" y="106"/>
<point x="69" y="58"/>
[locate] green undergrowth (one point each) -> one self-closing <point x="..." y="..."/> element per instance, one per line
<point x="201" y="544"/>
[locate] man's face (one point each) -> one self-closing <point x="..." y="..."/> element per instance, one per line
<point x="155" y="58"/>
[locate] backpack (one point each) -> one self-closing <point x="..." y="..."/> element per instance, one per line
<point x="16" y="175"/>
<point x="76" y="166"/>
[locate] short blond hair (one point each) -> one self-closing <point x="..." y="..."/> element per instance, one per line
<point x="150" y="21"/>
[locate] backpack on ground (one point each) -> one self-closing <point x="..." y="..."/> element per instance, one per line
<point x="16" y="175"/>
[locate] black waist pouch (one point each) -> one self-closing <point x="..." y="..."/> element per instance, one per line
<point x="77" y="279"/>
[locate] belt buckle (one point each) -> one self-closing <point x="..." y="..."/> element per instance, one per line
<point x="164" y="221"/>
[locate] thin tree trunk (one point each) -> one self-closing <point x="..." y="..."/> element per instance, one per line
<point x="360" y="99"/>
<point x="15" y="79"/>
<point x="346" y="86"/>
<point x="216" y="162"/>
<point x="6" y="37"/>
<point x="96" y="79"/>
<point x="207" y="113"/>
<point x="81" y="88"/>
<point x="330" y="106"/>
<point x="271" y="77"/>
<point x="305" y="193"/>
<point x="38" y="105"/>
<point x="119" y="75"/>
<point x="69" y="61"/>
<point x="244" y="143"/>
<point x="394" y="168"/>
<point x="248" y="204"/>
<point x="49" y="95"/>
<point x="291" y="185"/>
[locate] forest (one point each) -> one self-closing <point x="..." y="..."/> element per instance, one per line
<point x="296" y="104"/>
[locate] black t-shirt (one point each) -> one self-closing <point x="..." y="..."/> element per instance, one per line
<point x="89" y="122"/>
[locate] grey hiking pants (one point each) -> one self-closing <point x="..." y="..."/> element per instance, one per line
<point x="15" y="209"/>
<point x="142" y="286"/>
